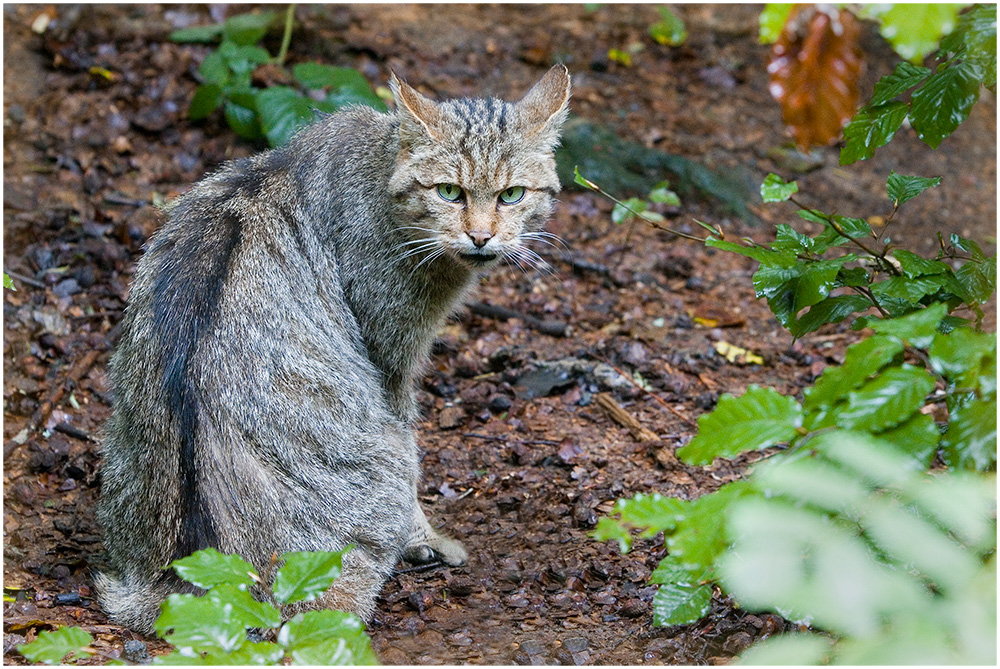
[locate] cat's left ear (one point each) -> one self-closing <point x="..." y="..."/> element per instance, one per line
<point x="418" y="116"/>
<point x="544" y="108"/>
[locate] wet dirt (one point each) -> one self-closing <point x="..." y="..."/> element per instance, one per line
<point x="522" y="424"/>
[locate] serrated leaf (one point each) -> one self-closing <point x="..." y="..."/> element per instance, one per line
<point x="775" y="189"/>
<point x="971" y="440"/>
<point x="682" y="597"/>
<point x="944" y="101"/>
<point x="789" y="650"/>
<point x="902" y="188"/>
<point x="887" y="400"/>
<point x="200" y="624"/>
<point x="247" y="29"/>
<point x="207" y="98"/>
<point x="52" y="647"/>
<point x="282" y="112"/>
<point x="917" y="328"/>
<point x="244" y="607"/>
<point x="772" y="19"/>
<point x="811" y="480"/>
<point x="765" y="257"/>
<point x="905" y="288"/>
<point x="321" y="638"/>
<point x="788" y="238"/>
<point x="870" y="128"/>
<point x="831" y="310"/>
<point x="978" y="280"/>
<point x="970" y="246"/>
<point x="975" y="39"/>
<point x="914" y="30"/>
<point x="919" y="436"/>
<point x="817" y="280"/>
<point x="903" y="78"/>
<point x="653" y="513"/>
<point x="305" y="576"/>
<point x="862" y="360"/>
<point x="958" y="355"/>
<point x="759" y="418"/>
<point x="913" y="265"/>
<point x="208" y="567"/>
<point x="198" y="34"/>
<point x="669" y="29"/>
<point x="851" y="228"/>
<point x="700" y="540"/>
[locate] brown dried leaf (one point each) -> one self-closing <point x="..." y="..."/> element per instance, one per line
<point x="815" y="68"/>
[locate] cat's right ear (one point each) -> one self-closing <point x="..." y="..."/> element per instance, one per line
<point x="418" y="116"/>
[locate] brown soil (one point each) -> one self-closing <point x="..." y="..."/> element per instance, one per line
<point x="95" y="130"/>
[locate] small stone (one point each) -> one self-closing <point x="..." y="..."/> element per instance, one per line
<point x="500" y="403"/>
<point x="136" y="651"/>
<point x="451" y="417"/>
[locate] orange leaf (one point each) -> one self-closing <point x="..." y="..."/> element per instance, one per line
<point x="815" y="67"/>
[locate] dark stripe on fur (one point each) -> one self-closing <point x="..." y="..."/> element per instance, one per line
<point x="186" y="296"/>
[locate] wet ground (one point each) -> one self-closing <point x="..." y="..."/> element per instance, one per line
<point x="531" y="427"/>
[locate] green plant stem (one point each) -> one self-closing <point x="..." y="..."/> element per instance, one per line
<point x="286" y="38"/>
<point x="594" y="187"/>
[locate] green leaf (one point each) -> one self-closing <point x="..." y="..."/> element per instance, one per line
<point x="919" y="436"/>
<point x="975" y="39"/>
<point x="627" y="209"/>
<point x="247" y="29"/>
<point x="700" y="540"/>
<point x="245" y="608"/>
<point x="914" y="30"/>
<point x="888" y="400"/>
<point x="902" y="188"/>
<point x="662" y="194"/>
<point x="817" y="279"/>
<point x="242" y="120"/>
<point x="871" y="127"/>
<point x="978" y="280"/>
<point x="766" y="257"/>
<point x="903" y="78"/>
<point x="321" y="638"/>
<point x="959" y="355"/>
<point x="8" y="282"/>
<point x="789" y="649"/>
<point x="775" y="189"/>
<point x="905" y="288"/>
<point x="941" y="104"/>
<point x="53" y="647"/>
<point x="917" y="328"/>
<point x="683" y="596"/>
<point x="772" y="20"/>
<point x="580" y="180"/>
<point x="214" y="69"/>
<point x="608" y="529"/>
<point x="282" y="112"/>
<point x="243" y="60"/>
<point x="913" y="265"/>
<point x="199" y="624"/>
<point x="208" y="567"/>
<point x="669" y="29"/>
<point x="831" y="310"/>
<point x="653" y="513"/>
<point x="200" y="34"/>
<point x="789" y="239"/>
<point x="851" y="228"/>
<point x="305" y="576"/>
<point x="207" y="98"/>
<point x="862" y="360"/>
<point x="759" y="418"/>
<point x="970" y="246"/>
<point x="971" y="440"/>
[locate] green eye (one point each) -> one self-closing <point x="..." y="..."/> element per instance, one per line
<point x="449" y="192"/>
<point x="512" y="195"/>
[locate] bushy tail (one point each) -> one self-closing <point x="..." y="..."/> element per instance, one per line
<point x="134" y="601"/>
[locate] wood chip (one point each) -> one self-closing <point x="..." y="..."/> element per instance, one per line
<point x="624" y="418"/>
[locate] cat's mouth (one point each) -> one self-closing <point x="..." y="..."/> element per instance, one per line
<point x="478" y="259"/>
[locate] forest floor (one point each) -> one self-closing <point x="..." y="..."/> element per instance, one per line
<point x="521" y="455"/>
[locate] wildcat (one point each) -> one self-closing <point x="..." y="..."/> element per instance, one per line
<point x="264" y="382"/>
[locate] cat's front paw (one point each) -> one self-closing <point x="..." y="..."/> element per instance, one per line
<point x="436" y="547"/>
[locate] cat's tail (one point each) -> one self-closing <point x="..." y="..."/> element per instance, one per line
<point x="133" y="601"/>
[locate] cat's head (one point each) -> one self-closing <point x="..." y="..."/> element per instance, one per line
<point x="476" y="178"/>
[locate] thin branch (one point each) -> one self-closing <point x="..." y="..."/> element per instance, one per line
<point x="286" y="38"/>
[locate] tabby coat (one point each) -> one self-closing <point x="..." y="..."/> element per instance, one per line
<point x="264" y="381"/>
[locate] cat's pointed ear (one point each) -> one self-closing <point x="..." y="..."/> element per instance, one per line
<point x="418" y="116"/>
<point x="544" y="108"/>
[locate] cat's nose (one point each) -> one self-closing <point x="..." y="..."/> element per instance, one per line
<point x="480" y="237"/>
